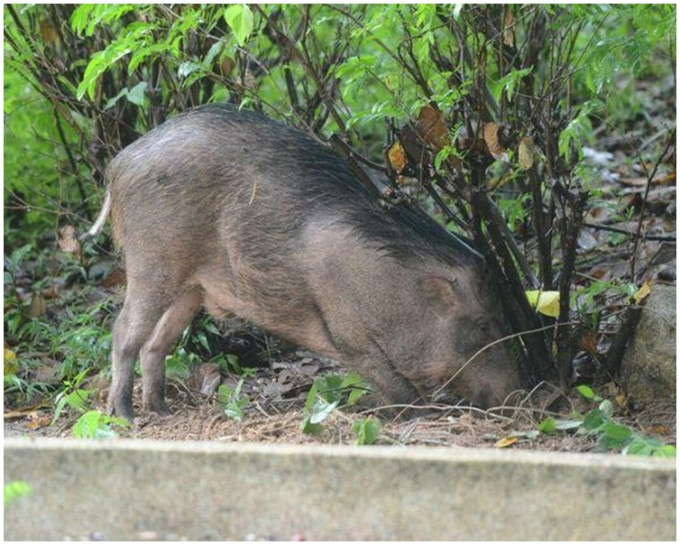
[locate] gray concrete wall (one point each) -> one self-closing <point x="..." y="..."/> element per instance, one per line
<point x="136" y="489"/>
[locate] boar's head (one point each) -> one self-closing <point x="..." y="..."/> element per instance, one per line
<point x="465" y="356"/>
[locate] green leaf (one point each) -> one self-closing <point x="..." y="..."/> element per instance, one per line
<point x="548" y="425"/>
<point x="442" y="155"/>
<point x="98" y="65"/>
<point x="639" y="448"/>
<point x="617" y="432"/>
<point x="614" y="436"/>
<point x="311" y="397"/>
<point x="322" y="399"/>
<point x="78" y="399"/>
<point x="232" y="400"/>
<point x="233" y="411"/>
<point x="585" y="391"/>
<point x="212" y="53"/>
<point x="607" y="408"/>
<point x="426" y="14"/>
<point x="578" y="132"/>
<point x="594" y="420"/>
<point x="233" y="363"/>
<point x="16" y="489"/>
<point x="354" y="395"/>
<point x="647" y="446"/>
<point x="367" y="430"/>
<point x="95" y="425"/>
<point x="112" y="101"/>
<point x="80" y="17"/>
<point x="187" y="68"/>
<point x="322" y="410"/>
<point x="357" y="387"/>
<point x="508" y="83"/>
<point x="567" y="425"/>
<point x="330" y="388"/>
<point x="240" y="20"/>
<point x="86" y="425"/>
<point x="136" y="94"/>
<point x="87" y="17"/>
<point x="356" y="69"/>
<point x="309" y="428"/>
<point x="665" y="451"/>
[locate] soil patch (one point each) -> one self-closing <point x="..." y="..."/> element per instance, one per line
<point x="275" y="412"/>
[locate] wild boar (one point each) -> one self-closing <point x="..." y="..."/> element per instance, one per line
<point x="245" y="216"/>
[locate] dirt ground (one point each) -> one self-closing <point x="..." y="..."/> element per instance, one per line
<point x="275" y="412"/>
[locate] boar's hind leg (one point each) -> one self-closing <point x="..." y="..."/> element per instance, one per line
<point x="130" y="331"/>
<point x="152" y="355"/>
<point x="137" y="326"/>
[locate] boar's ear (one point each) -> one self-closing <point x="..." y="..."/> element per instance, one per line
<point x="439" y="294"/>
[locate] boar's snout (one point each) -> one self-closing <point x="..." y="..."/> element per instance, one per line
<point x="486" y="397"/>
<point x="498" y="388"/>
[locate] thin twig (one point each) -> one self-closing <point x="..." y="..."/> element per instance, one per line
<point x="661" y="238"/>
<point x="650" y="177"/>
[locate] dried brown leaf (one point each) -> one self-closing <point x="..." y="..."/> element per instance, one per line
<point x="210" y="378"/>
<point x="588" y="342"/>
<point x="227" y="66"/>
<point x="508" y="28"/>
<point x="491" y="138"/>
<point x="526" y="153"/>
<point x="39" y="420"/>
<point x="38" y="306"/>
<point x="432" y="127"/>
<point x="47" y="32"/>
<point x="115" y="278"/>
<point x="68" y="240"/>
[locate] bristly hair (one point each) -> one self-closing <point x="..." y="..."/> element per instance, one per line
<point x="401" y="231"/>
<point x="406" y="233"/>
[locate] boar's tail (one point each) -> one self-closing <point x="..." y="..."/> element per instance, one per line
<point x="101" y="218"/>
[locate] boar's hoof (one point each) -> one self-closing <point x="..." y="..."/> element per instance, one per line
<point x="390" y="409"/>
<point x="121" y="409"/>
<point x="158" y="407"/>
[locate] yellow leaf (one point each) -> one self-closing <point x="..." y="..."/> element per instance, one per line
<point x="642" y="293"/>
<point x="10" y="364"/>
<point x="621" y="400"/>
<point x="397" y="157"/>
<point x="505" y="442"/>
<point x="545" y="302"/>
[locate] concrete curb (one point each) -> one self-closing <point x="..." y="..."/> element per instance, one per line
<point x="126" y="489"/>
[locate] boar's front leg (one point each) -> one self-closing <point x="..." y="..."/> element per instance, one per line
<point x="394" y="387"/>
